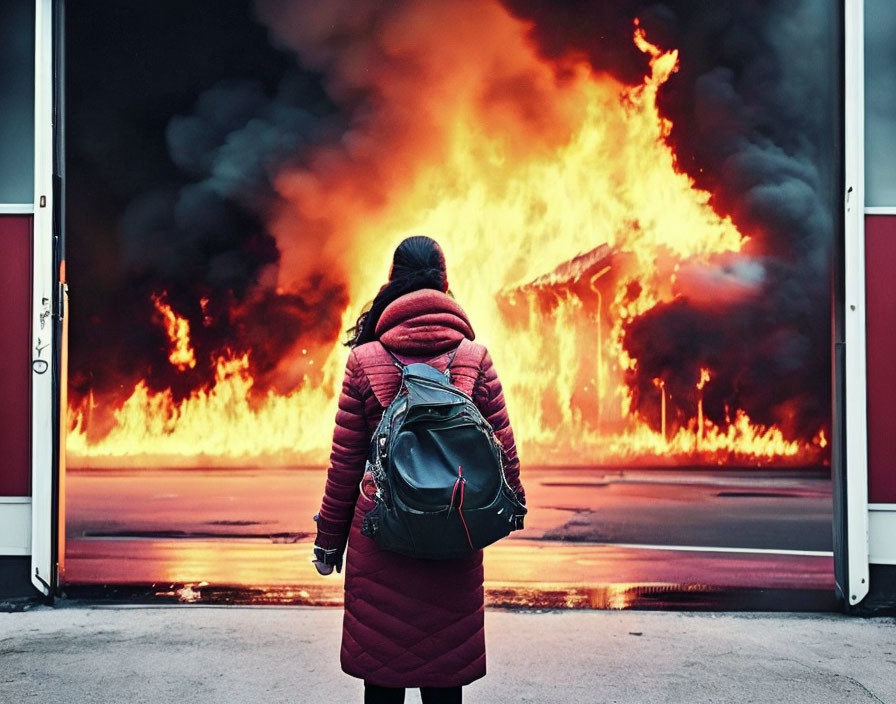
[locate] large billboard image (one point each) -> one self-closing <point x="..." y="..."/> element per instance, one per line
<point x="637" y="207"/>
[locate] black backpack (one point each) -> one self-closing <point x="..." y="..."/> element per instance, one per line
<point x="441" y="490"/>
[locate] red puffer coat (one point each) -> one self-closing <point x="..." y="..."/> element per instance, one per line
<point x="408" y="622"/>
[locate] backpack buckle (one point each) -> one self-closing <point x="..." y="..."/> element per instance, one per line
<point x="368" y="526"/>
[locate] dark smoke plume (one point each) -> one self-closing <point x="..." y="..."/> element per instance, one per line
<point x="170" y="192"/>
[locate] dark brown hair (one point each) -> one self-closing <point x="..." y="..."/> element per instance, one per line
<point x="418" y="263"/>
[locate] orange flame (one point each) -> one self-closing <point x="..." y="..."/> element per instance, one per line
<point x="178" y="329"/>
<point x="661" y="385"/>
<point x="512" y="206"/>
<point x="218" y="426"/>
<point x="704" y="377"/>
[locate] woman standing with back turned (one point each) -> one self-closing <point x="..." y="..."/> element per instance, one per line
<point x="408" y="622"/>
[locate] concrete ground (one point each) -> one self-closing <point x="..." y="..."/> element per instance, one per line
<point x="271" y="655"/>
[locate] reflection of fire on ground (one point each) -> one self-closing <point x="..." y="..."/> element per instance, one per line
<point x="569" y="231"/>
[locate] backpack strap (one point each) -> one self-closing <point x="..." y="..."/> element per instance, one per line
<point x="466" y="364"/>
<point x="379" y="364"/>
<point x="396" y="361"/>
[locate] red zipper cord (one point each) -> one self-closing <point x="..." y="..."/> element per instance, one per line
<point x="460" y="506"/>
<point x="453" y="491"/>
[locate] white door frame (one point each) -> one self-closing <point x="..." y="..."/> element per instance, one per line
<point x="43" y="283"/>
<point x="855" y="403"/>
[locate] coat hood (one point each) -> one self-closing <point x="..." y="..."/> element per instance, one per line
<point x="423" y="322"/>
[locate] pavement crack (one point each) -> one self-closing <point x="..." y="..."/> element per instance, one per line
<point x="864" y="688"/>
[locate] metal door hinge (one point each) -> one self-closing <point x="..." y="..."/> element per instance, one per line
<point x="61" y="296"/>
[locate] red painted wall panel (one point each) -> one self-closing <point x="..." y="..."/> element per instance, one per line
<point x="880" y="278"/>
<point x="15" y="357"/>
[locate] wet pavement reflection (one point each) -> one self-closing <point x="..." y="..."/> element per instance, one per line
<point x="595" y="538"/>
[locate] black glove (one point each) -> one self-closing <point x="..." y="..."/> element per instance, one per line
<point x="326" y="560"/>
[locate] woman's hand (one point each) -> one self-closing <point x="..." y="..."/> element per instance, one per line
<point x="326" y="560"/>
<point x="325" y="569"/>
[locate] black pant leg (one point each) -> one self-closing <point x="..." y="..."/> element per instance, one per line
<point x="374" y="694"/>
<point x="441" y="695"/>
